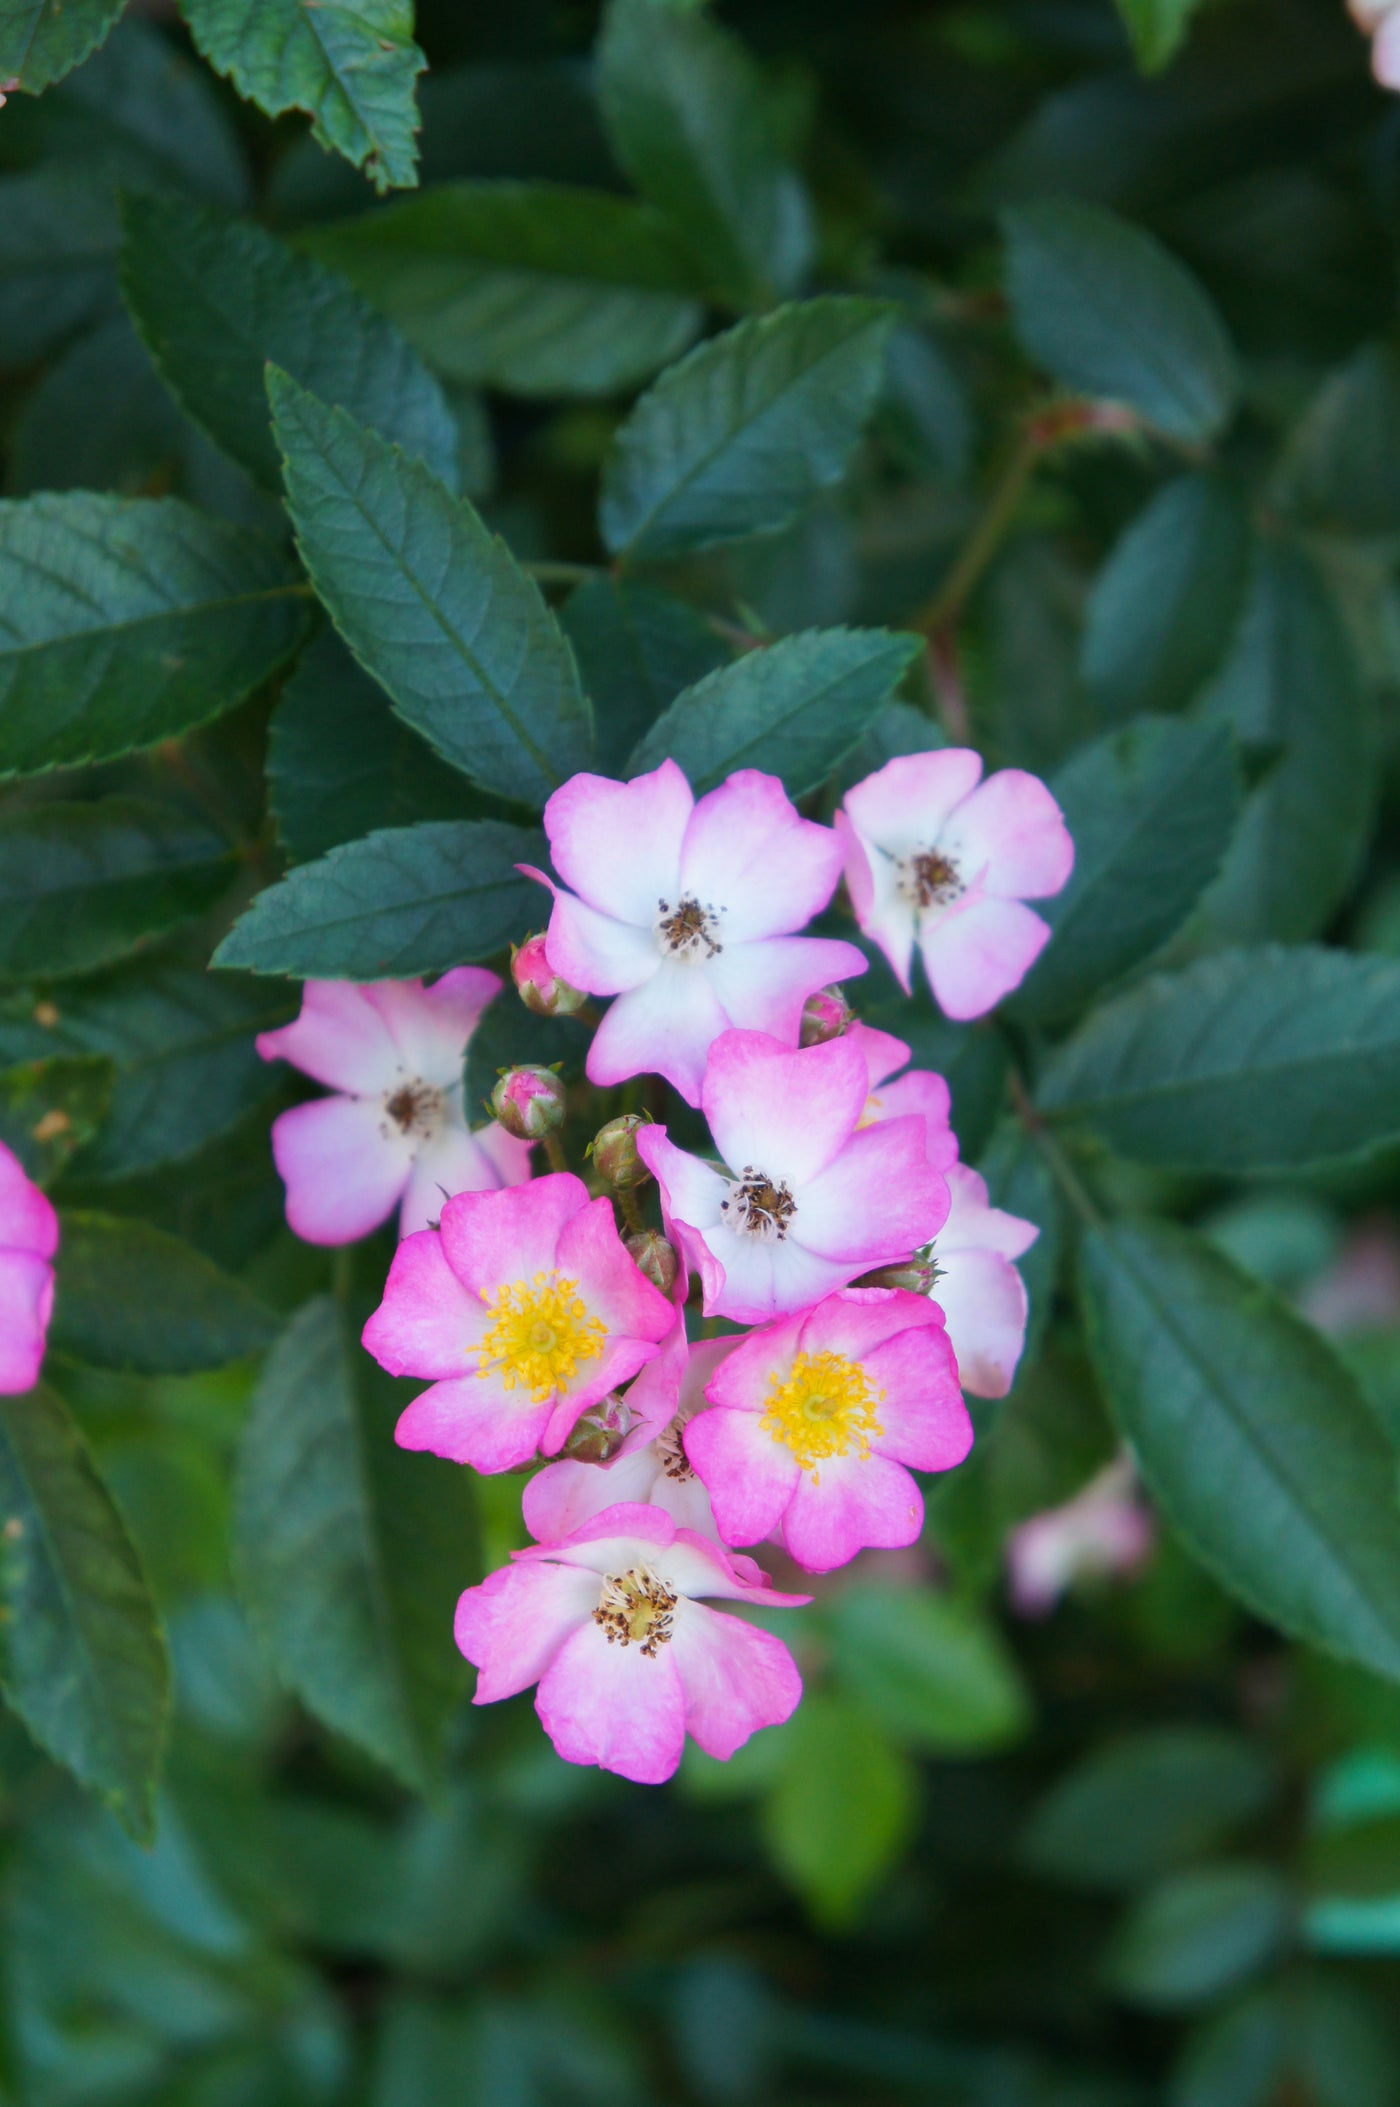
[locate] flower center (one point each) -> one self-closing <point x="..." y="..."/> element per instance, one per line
<point x="540" y="1332"/>
<point x="758" y="1206"/>
<point x="416" y="1108"/>
<point x="930" y="879"/>
<point x="636" y="1608"/>
<point x="688" y="932"/>
<point x="825" y="1408"/>
<point x="670" y="1450"/>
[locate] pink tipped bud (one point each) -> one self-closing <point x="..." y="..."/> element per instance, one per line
<point x="600" y="1433"/>
<point x="541" y="989"/>
<point x="655" y="1257"/>
<point x="916" y="1278"/>
<point x="825" y="1015"/>
<point x="614" y="1152"/>
<point x="529" y="1102"/>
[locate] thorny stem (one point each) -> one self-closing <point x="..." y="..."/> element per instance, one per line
<point x="1061" y="1169"/>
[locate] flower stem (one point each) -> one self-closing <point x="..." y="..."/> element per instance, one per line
<point x="550" y="572"/>
<point x="1063" y="1172"/>
<point x="554" y="1150"/>
<point x="1018" y="462"/>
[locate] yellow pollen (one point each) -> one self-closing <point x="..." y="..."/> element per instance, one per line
<point x="636" y="1608"/>
<point x="540" y="1332"/>
<point x="870" y="1116"/>
<point x="825" y="1408"/>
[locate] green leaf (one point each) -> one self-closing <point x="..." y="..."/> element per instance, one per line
<point x="688" y="117"/>
<point x="636" y="649"/>
<point x="353" y="1551"/>
<point x="83" y="885"/>
<point x="530" y="287"/>
<point x="404" y="901"/>
<point x="1340" y="468"/>
<point x="1139" y="1806"/>
<point x="352" y="68"/>
<point x="1165" y="606"/>
<point x="1158" y="29"/>
<point x="49" y="1109"/>
<point x="181" y="1045"/>
<point x="794" y="709"/>
<point x="41" y="40"/>
<point x="746" y="430"/>
<point x="84" y="1661"/>
<point x="432" y="603"/>
<point x="1291" y="682"/>
<point x="340" y="763"/>
<point x="1307" y="2037"/>
<point x="215" y="299"/>
<point x="1109" y="313"/>
<point x="1197" y="1933"/>
<point x="1152" y="810"/>
<point x="1251" y="1435"/>
<point x="932" y="1671"/>
<point x="841" y="1810"/>
<point x="1247" y="1061"/>
<point x="59" y="238"/>
<point x="131" y="1297"/>
<point x="129" y="621"/>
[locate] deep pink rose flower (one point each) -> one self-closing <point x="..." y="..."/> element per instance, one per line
<point x="683" y="911"/>
<point x="812" y="1421"/>
<point x="397" y="1129"/>
<point x="525" y="1309"/>
<point x="935" y="856"/>
<point x="628" y="1659"/>
<point x="28" y="1241"/>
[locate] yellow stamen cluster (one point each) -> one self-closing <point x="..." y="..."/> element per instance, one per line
<point x="541" y="1331"/>
<point x="825" y="1408"/>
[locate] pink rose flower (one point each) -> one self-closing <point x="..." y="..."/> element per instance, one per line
<point x="684" y="912"/>
<point x="627" y="1659"/>
<point x="812" y="1421"/>
<point x="396" y="1130"/>
<point x="918" y="1091"/>
<point x="651" y="1469"/>
<point x="937" y="857"/>
<point x="1102" y="1533"/>
<point x="1380" y="21"/>
<point x="28" y="1241"/>
<point x="810" y="1199"/>
<point x="525" y="1309"/>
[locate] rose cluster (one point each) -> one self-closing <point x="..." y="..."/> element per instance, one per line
<point x="774" y="1361"/>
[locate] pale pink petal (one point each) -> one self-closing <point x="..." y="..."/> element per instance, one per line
<point x="432" y="1026"/>
<point x="856" y="1504"/>
<point x="452" y="1162"/>
<point x="341" y="1039"/>
<point x="654" y="1399"/>
<point x="511" y="1627"/>
<point x="739" y="1383"/>
<point x="617" y="1364"/>
<point x="26" y="1304"/>
<point x="927" y="1095"/>
<point x="878" y="1201"/>
<point x="618" y="845"/>
<point x="563" y="1496"/>
<point x="905" y="804"/>
<point x="789" y="1113"/>
<point x="923" y="1420"/>
<point x="975" y="955"/>
<point x="1385" y="52"/>
<point x="344" y="1165"/>
<point x="856" y="1321"/>
<point x="761" y="1279"/>
<point x="697" y="1565"/>
<point x="614" y="1706"/>
<point x="974" y="1224"/>
<point x="615" y="1289"/>
<point x="492" y="1239"/>
<point x="984" y="1300"/>
<point x="592" y="950"/>
<point x="1010" y="838"/>
<point x="692" y="1190"/>
<point x="513" y="1159"/>
<point x="736" y="1679"/>
<point x="428" y="1324"/>
<point x="749" y="1477"/>
<point x="665" y="1028"/>
<point x="27" y="1218"/>
<point x="763" y="986"/>
<point x="881" y="909"/>
<point x="749" y="854"/>
<point x="474" y="1420"/>
<point x="614" y="1538"/>
<point x="883" y="1052"/>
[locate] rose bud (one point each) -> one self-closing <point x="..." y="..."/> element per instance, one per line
<point x="541" y="989"/>
<point x="654" y="1257"/>
<point x="825" y="1015"/>
<point x="614" y="1152"/>
<point x="600" y="1433"/>
<point x="529" y="1102"/>
<point x="917" y="1277"/>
